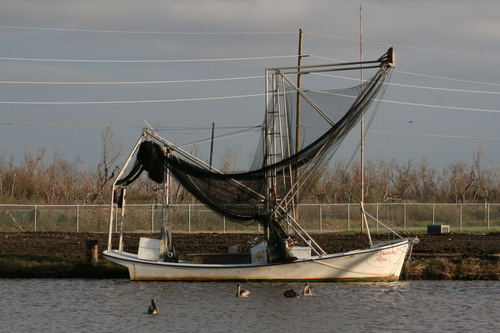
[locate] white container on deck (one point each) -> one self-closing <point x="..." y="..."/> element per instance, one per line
<point x="258" y="253"/>
<point x="300" y="252"/>
<point x="149" y="249"/>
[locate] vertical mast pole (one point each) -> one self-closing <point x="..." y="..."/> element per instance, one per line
<point x="212" y="145"/>
<point x="267" y="144"/>
<point x="165" y="232"/>
<point x="298" y="115"/>
<point x="362" y="171"/>
<point x="167" y="252"/>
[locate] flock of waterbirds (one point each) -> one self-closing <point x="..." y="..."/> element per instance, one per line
<point x="288" y="293"/>
<point x="154" y="310"/>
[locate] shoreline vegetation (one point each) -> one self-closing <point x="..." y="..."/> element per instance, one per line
<point x="453" y="256"/>
<point x="37" y="267"/>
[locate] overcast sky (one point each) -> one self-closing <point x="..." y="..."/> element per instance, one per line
<point x="68" y="68"/>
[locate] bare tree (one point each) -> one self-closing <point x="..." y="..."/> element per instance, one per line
<point x="229" y="159"/>
<point x="426" y="181"/>
<point x="458" y="180"/>
<point x="403" y="180"/>
<point x="486" y="179"/>
<point x="107" y="167"/>
<point x="59" y="181"/>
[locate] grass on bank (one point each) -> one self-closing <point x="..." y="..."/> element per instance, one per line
<point x="31" y="266"/>
<point x="451" y="269"/>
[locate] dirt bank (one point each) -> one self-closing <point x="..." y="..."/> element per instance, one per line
<point x="73" y="245"/>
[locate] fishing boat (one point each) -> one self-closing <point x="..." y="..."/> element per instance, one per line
<point x="301" y="131"/>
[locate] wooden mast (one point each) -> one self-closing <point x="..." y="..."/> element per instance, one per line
<point x="362" y="171"/>
<point x="298" y="116"/>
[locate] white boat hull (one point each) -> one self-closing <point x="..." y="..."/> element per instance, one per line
<point x="380" y="263"/>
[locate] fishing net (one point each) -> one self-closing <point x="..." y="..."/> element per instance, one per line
<point x="327" y="117"/>
<point x="290" y="157"/>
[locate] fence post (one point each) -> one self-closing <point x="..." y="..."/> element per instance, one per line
<point x="77" y="218"/>
<point x="488" y="214"/>
<point x="404" y="215"/>
<point x="321" y="218"/>
<point x="433" y="213"/>
<point x="152" y="217"/>
<point x="189" y="218"/>
<point x="461" y="212"/>
<point x="35" y="219"/>
<point x="348" y="217"/>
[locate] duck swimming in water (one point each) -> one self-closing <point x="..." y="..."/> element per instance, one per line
<point x="242" y="293"/>
<point x="307" y="291"/>
<point x="291" y="293"/>
<point x="153" y="309"/>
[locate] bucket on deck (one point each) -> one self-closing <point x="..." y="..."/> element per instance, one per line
<point x="233" y="249"/>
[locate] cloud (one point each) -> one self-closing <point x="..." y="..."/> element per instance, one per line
<point x="453" y="39"/>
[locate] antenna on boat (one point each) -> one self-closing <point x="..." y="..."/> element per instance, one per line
<point x="150" y="127"/>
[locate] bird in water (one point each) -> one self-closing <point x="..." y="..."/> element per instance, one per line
<point x="307" y="291"/>
<point x="153" y="309"/>
<point x="291" y="293"/>
<point x="242" y="293"/>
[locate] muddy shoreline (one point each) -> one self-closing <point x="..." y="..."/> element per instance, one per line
<point x="444" y="252"/>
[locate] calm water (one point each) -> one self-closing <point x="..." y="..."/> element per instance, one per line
<point x="46" y="305"/>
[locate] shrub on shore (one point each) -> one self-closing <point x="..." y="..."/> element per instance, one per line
<point x="451" y="269"/>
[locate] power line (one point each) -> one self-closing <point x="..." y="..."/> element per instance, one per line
<point x="441" y="106"/>
<point x="232" y="97"/>
<point x="406" y="46"/>
<point x="238" y="33"/>
<point x="435" y="135"/>
<point x="153" y="32"/>
<point x="157" y="128"/>
<point x="243" y="129"/>
<point x="135" y="102"/>
<point x="447" y="78"/>
<point x="446" y="89"/>
<point x="129" y="82"/>
<point x="145" y="61"/>
<point x="426" y="87"/>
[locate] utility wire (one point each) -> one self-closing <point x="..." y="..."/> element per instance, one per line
<point x="425" y="87"/>
<point x="153" y="32"/>
<point x="130" y="82"/>
<point x="406" y="46"/>
<point x="135" y="102"/>
<point x="244" y="129"/>
<point x="144" y="61"/>
<point x="157" y="128"/>
<point x="447" y="78"/>
<point x="233" y="97"/>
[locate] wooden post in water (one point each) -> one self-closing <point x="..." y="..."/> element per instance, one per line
<point x="92" y="250"/>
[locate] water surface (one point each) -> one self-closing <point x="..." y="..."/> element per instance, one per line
<point x="66" y="305"/>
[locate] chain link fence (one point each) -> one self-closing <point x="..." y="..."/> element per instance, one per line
<point x="196" y="218"/>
